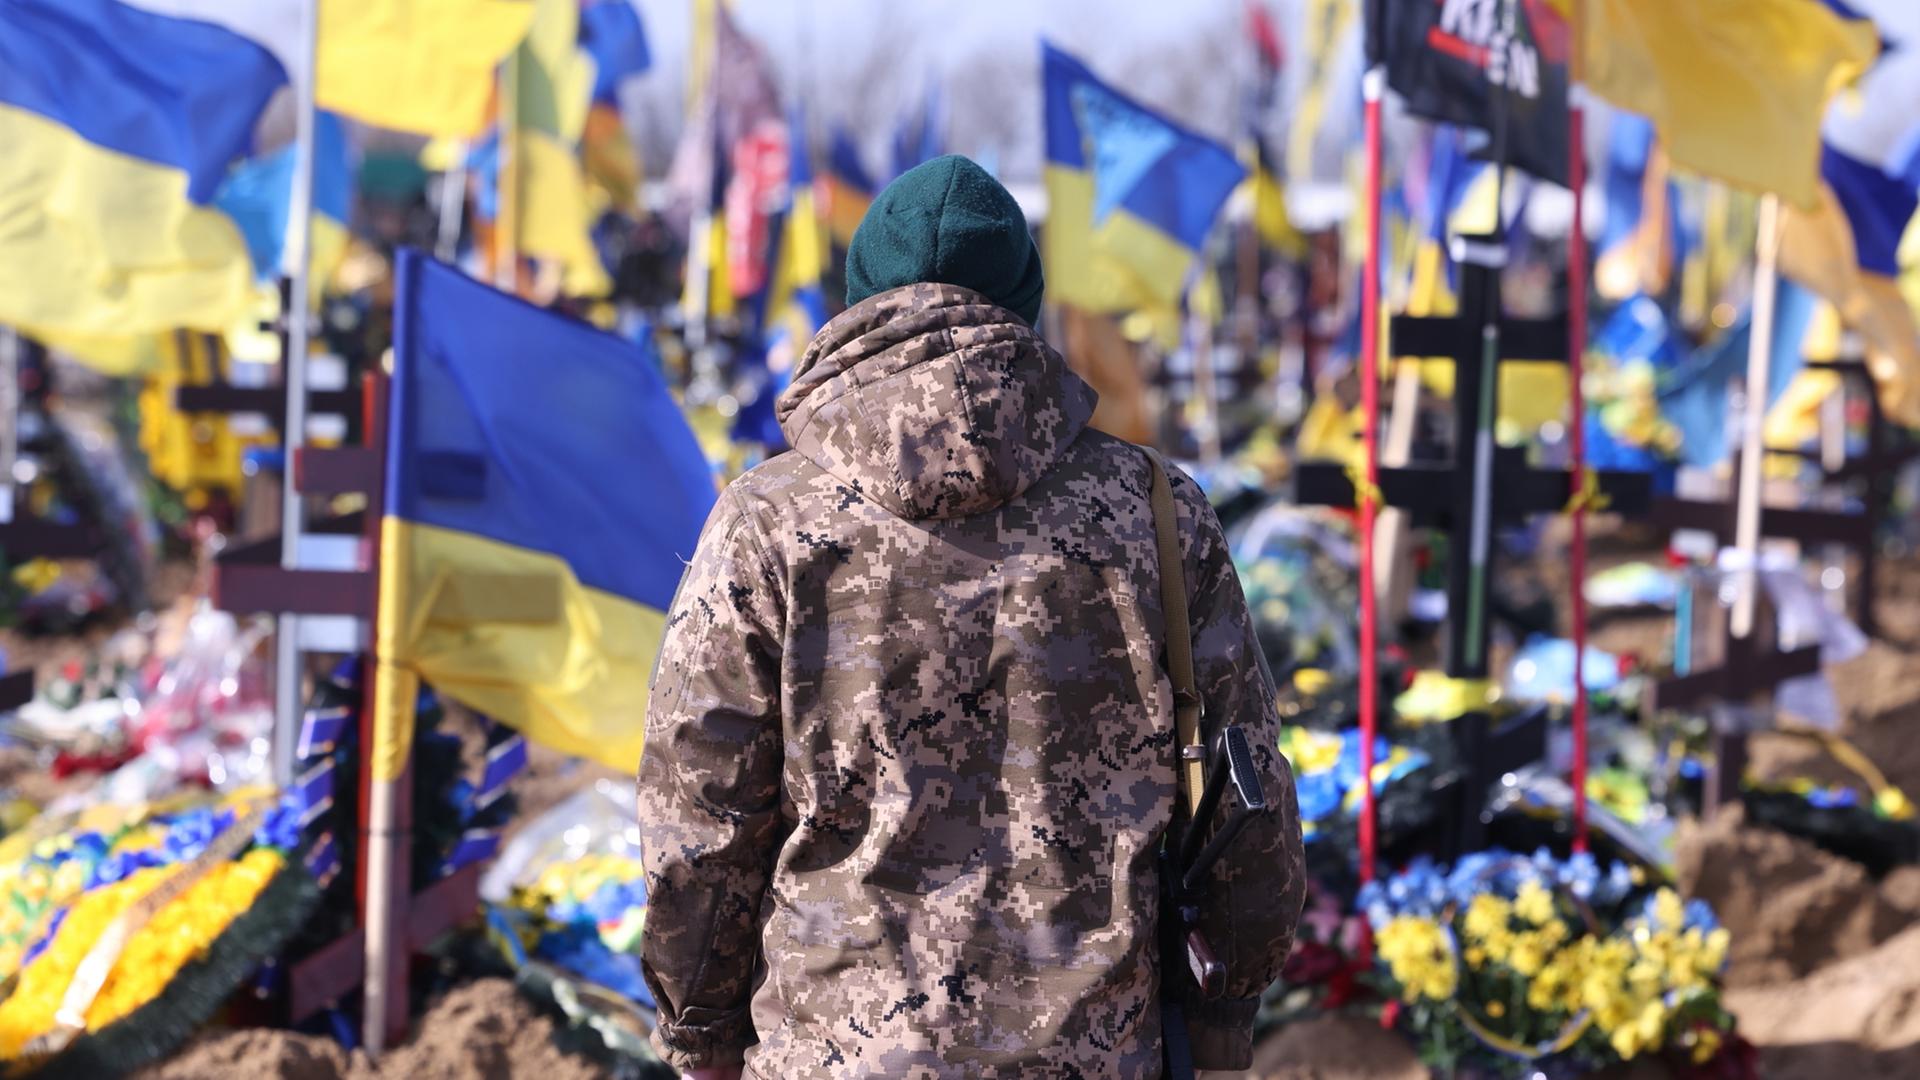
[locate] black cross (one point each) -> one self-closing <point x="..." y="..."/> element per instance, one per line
<point x="1442" y="494"/>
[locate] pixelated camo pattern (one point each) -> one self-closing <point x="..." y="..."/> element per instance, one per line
<point x="910" y="737"/>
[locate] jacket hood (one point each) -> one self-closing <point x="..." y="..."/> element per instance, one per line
<point x="933" y="402"/>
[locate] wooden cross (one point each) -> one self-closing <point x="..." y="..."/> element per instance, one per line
<point x="1887" y="452"/>
<point x="1484" y="485"/>
<point x="1750" y="667"/>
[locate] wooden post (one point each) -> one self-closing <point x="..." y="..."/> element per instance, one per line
<point x="1746" y="539"/>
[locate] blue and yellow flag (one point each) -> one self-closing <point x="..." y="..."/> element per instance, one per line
<point x="800" y="254"/>
<point x="543" y="494"/>
<point x="1130" y="193"/>
<point x="1736" y="87"/>
<point x="850" y="188"/>
<point x="116" y="127"/>
<point x="424" y="66"/>
<point x="1846" y="247"/>
<point x="258" y="196"/>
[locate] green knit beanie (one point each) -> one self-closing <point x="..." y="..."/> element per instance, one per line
<point x="947" y="221"/>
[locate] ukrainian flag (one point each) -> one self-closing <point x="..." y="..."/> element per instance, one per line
<point x="801" y="249"/>
<point x="1130" y="194"/>
<point x="258" y="196"/>
<point x="1736" y="87"/>
<point x="850" y="188"/>
<point x="543" y="493"/>
<point x="1846" y="247"/>
<point x="116" y="128"/>
<point x="424" y="66"/>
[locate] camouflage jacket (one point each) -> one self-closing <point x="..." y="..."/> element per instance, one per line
<point x="910" y="751"/>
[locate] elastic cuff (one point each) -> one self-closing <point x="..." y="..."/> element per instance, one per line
<point x="703" y="1038"/>
<point x="1222" y="1032"/>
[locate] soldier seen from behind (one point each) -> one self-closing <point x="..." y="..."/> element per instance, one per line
<point x="911" y="753"/>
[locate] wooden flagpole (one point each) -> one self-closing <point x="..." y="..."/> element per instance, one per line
<point x="295" y="266"/>
<point x="1746" y="529"/>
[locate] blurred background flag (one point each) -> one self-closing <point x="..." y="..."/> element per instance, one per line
<point x="1736" y="87"/>
<point x="1131" y="194"/>
<point x="611" y="33"/>
<point x="612" y="36"/>
<point x="116" y="127"/>
<point x="551" y="88"/>
<point x="515" y="579"/>
<point x="800" y="255"/>
<point x="1846" y="246"/>
<point x="1635" y="253"/>
<point x="423" y="66"/>
<point x="850" y="188"/>
<point x="1270" y="221"/>
<point x="919" y="136"/>
<point x="258" y="196"/>
<point x="1454" y="62"/>
<point x="1695" y="396"/>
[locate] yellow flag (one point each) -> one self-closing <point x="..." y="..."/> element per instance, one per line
<point x="1817" y="250"/>
<point x="1737" y="88"/>
<point x="424" y="66"/>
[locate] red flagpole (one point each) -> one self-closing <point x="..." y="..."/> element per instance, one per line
<point x="1577" y="427"/>
<point x="1373" y="88"/>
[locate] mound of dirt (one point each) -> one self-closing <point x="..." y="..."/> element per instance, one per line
<point x="254" y="1052"/>
<point x="1858" y="1019"/>
<point x="1790" y="906"/>
<point x="480" y="1031"/>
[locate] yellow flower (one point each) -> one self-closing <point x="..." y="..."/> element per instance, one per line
<point x="1534" y="904"/>
<point x="1668" y="912"/>
<point x="1418" y="956"/>
<point x="1626" y="1042"/>
<point x="1487" y="917"/>
<point x="36" y="575"/>
<point x="1706" y="1043"/>
<point x="1496" y="1009"/>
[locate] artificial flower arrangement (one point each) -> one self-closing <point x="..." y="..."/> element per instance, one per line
<point x="585" y="915"/>
<point x="1878" y="831"/>
<point x="145" y="929"/>
<point x="1510" y="966"/>
<point x="1326" y="770"/>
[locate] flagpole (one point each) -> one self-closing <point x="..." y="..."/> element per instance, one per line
<point x="700" y="256"/>
<point x="1576" y="403"/>
<point x="453" y="200"/>
<point x="506" y="225"/>
<point x="1746" y="526"/>
<point x="295" y="268"/>
<point x="1372" y="89"/>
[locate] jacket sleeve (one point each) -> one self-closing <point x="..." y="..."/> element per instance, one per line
<point x="710" y="794"/>
<point x="1253" y="903"/>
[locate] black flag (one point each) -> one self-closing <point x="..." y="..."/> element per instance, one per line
<point x="1457" y="61"/>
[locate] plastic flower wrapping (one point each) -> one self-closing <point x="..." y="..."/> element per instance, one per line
<point x="1507" y="965"/>
<point x="1297" y="568"/>
<point x="139" y="895"/>
<point x="569" y="891"/>
<point x="585" y="915"/>
<point x="1326" y="769"/>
